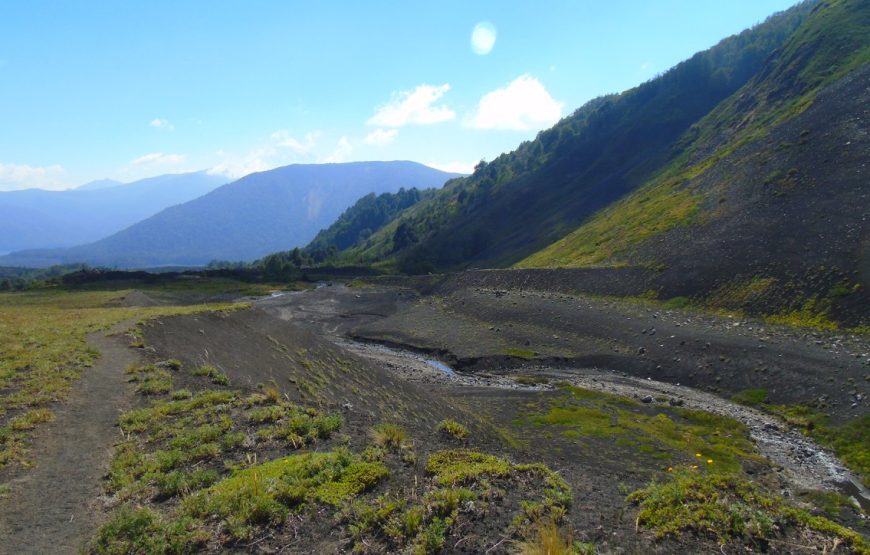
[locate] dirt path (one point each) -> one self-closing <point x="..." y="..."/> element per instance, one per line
<point x="51" y="508"/>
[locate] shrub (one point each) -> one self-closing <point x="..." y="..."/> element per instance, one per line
<point x="453" y="429"/>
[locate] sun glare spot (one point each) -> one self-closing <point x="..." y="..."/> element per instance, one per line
<point x="483" y="38"/>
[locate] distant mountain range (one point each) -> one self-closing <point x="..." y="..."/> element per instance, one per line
<point x="261" y="213"/>
<point x="35" y="218"/>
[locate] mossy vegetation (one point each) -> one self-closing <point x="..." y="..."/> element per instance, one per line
<point x="850" y="441"/>
<point x="44" y="350"/>
<point x="452" y="428"/>
<point x="750" y="397"/>
<point x="187" y="475"/>
<point x="667" y="434"/>
<point x="216" y="376"/>
<point x="727" y="507"/>
<point x="813" y="313"/>
<point x="619" y="227"/>
<point x="461" y="484"/>
<point x="517" y="352"/>
<point x="264" y="494"/>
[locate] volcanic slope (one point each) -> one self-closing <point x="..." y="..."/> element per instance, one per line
<point x="524" y="200"/>
<point x="759" y="217"/>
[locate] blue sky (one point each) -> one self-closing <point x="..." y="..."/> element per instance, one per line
<point x="127" y="90"/>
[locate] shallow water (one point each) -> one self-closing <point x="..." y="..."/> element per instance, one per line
<point x="440" y="366"/>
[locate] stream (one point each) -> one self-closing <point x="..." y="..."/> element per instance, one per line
<point x="804" y="463"/>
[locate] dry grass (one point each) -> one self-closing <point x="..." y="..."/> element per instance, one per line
<point x="43" y="350"/>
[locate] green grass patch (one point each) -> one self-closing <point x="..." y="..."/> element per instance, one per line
<point x="216" y="376"/>
<point x="457" y="479"/>
<point x="616" y="229"/>
<point x="516" y="352"/>
<point x="726" y="507"/>
<point x="264" y="494"/>
<point x="660" y="432"/>
<point x="850" y="441"/>
<point x="452" y="428"/>
<point x="43" y="347"/>
<point x="750" y="397"/>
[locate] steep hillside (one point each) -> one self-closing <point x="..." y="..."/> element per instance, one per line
<point x="767" y="207"/>
<point x="522" y="201"/>
<point x="368" y="215"/>
<point x="258" y="214"/>
<point x="35" y="218"/>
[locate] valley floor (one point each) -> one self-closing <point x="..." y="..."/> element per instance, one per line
<point x="442" y="395"/>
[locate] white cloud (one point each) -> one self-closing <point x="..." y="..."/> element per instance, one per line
<point x="279" y="149"/>
<point x="454" y="167"/>
<point x="158" y="159"/>
<point x="523" y="104"/>
<point x="341" y="152"/>
<point x="380" y="137"/>
<point x="483" y="38"/>
<point x="161" y="124"/>
<point x="21" y="176"/>
<point x="256" y="160"/>
<point x="415" y="106"/>
<point x="309" y="141"/>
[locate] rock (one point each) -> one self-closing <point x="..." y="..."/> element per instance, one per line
<point x="647" y="399"/>
<point x="675" y="402"/>
<point x="641" y="350"/>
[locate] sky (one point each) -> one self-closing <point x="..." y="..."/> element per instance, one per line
<point x="127" y="90"/>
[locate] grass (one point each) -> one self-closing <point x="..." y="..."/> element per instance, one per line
<point x="531" y="380"/>
<point x="548" y="539"/>
<point x="142" y="530"/>
<point x="460" y="482"/>
<point x="389" y="435"/>
<point x="814" y="313"/>
<point x="662" y="433"/>
<point x="850" y="441"/>
<point x="151" y="379"/>
<point x="216" y="376"/>
<point x="249" y="499"/>
<point x="619" y="227"/>
<point x="43" y="349"/>
<point x="452" y="428"/>
<point x="175" y="446"/>
<point x="194" y="451"/>
<point x="726" y="507"/>
<point x="832" y="42"/>
<point x="750" y="397"/>
<point x="516" y="352"/>
<point x="264" y="494"/>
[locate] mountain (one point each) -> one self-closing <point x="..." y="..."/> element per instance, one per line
<point x="98" y="184"/>
<point x="737" y="179"/>
<point x="368" y="215"/>
<point x="35" y="218"/>
<point x="244" y="220"/>
<point x="766" y="208"/>
<point x="524" y="200"/>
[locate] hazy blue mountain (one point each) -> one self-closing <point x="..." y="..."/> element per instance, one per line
<point x="98" y="184"/>
<point x="35" y="218"/>
<point x="244" y="220"/>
